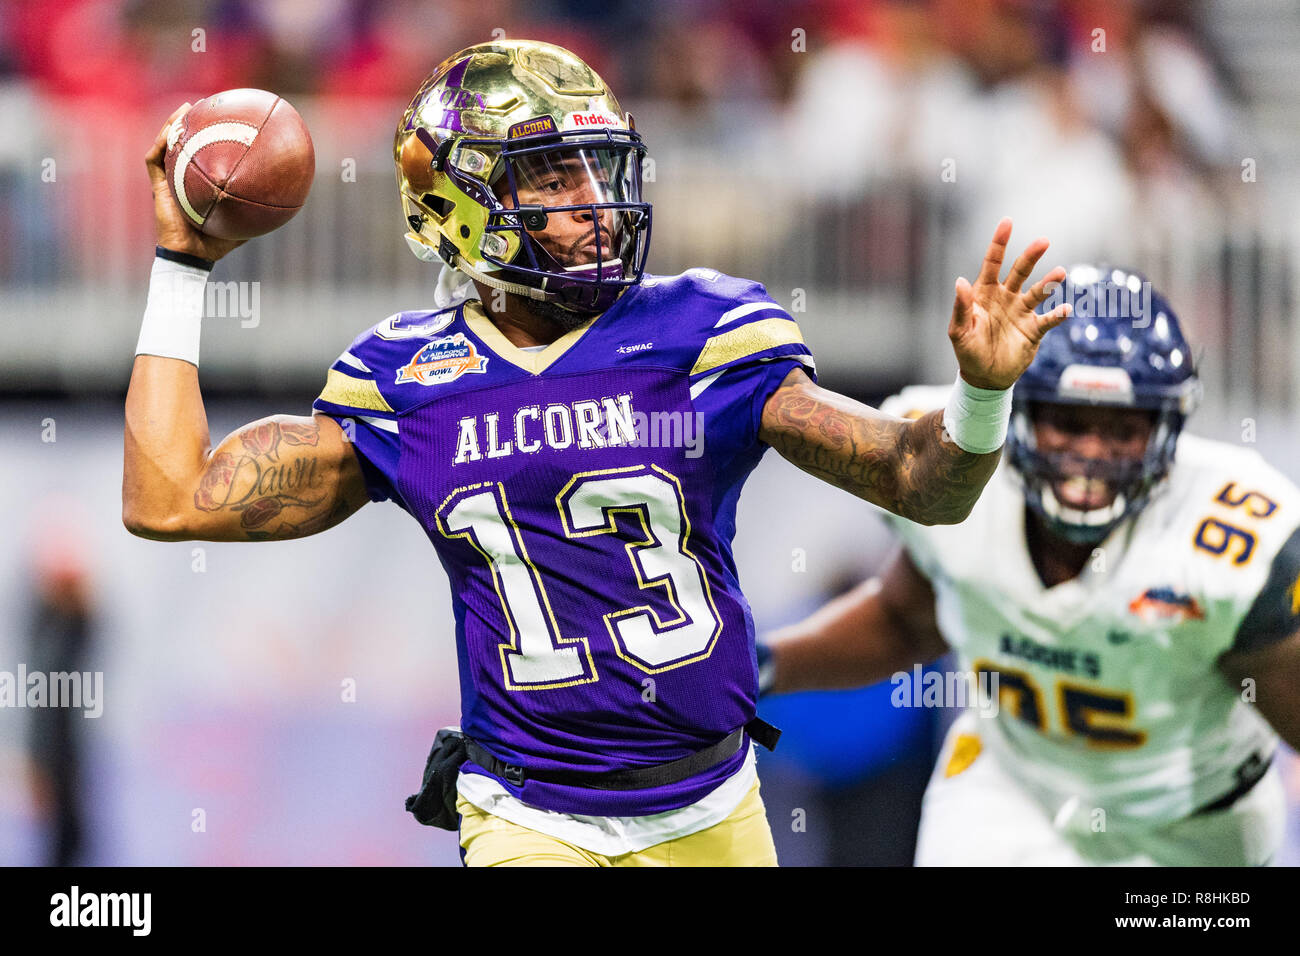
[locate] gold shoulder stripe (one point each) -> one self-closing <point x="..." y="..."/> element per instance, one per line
<point x="746" y="340"/>
<point x="341" y="389"/>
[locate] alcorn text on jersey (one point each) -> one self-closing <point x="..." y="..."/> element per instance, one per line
<point x="582" y="501"/>
<point x="1110" y="694"/>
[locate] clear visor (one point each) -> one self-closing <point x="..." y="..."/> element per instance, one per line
<point x="589" y="198"/>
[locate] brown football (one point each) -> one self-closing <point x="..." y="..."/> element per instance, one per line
<point x="240" y="163"/>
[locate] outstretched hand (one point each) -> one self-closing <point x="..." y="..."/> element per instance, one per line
<point x="994" y="329"/>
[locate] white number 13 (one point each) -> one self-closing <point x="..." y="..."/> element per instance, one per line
<point x="537" y="655"/>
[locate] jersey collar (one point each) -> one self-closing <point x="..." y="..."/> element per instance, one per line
<point x="476" y="319"/>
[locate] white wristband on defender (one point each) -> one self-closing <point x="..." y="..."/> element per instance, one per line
<point x="976" y="418"/>
<point x="173" y="313"/>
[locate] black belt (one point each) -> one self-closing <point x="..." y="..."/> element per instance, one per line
<point x="639" y="778"/>
<point x="1248" y="774"/>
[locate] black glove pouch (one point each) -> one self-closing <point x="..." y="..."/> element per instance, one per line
<point x="435" y="804"/>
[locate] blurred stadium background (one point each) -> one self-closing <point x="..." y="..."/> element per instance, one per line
<point x="854" y="155"/>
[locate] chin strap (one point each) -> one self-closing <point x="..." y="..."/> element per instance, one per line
<point x="515" y="288"/>
<point x="527" y="291"/>
<point x="455" y="260"/>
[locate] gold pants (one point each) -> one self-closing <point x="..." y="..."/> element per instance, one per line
<point x="742" y="839"/>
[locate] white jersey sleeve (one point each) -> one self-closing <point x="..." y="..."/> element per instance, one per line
<point x="1241" y="517"/>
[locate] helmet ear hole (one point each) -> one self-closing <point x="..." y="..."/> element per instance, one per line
<point x="438" y="204"/>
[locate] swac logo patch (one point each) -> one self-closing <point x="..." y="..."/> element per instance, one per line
<point x="1165" y="604"/>
<point x="442" y="360"/>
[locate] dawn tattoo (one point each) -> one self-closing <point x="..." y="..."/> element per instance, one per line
<point x="905" y="466"/>
<point x="274" y="477"/>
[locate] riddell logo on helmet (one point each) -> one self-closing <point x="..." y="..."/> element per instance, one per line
<point x="1096" y="384"/>
<point x="584" y="120"/>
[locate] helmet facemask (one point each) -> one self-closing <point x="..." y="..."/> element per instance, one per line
<point x="572" y="210"/>
<point x="1121" y="349"/>
<point x="529" y="209"/>
<point x="1132" y="481"/>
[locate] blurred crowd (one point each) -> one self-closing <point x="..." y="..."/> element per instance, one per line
<point x="1091" y="120"/>
<point x="881" y="76"/>
<point x="1162" y="94"/>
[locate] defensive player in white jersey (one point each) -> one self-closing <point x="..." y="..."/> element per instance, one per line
<point x="1133" y="588"/>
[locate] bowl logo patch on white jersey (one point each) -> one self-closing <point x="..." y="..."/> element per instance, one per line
<point x="1167" y="605"/>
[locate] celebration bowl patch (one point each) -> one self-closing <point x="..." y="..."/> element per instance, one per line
<point x="442" y="360"/>
<point x="1164" y="604"/>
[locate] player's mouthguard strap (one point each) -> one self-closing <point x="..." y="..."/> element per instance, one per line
<point x="173" y="313"/>
<point x="977" y="418"/>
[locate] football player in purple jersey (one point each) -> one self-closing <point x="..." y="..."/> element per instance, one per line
<point x="572" y="435"/>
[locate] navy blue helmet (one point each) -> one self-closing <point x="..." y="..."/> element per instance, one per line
<point x="1123" y="347"/>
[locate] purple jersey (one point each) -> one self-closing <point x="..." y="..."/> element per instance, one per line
<point x="582" y="500"/>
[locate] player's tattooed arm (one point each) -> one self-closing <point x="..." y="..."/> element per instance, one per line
<point x="909" y="467"/>
<point x="281" y="477"/>
<point x="278" y="478"/>
<point x="905" y="466"/>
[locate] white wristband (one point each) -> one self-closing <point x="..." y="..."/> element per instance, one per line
<point x="976" y="418"/>
<point x="173" y="314"/>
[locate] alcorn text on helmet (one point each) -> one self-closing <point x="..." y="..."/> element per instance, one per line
<point x="499" y="138"/>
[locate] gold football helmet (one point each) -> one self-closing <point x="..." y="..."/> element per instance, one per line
<point x="501" y="138"/>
